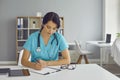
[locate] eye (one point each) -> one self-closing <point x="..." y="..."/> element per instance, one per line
<point x="48" y="27"/>
<point x="54" y="28"/>
<point x="51" y="28"/>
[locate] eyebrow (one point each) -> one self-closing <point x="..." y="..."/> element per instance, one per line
<point x="50" y="26"/>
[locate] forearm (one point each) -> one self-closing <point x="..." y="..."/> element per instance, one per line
<point x="28" y="64"/>
<point x="65" y="59"/>
<point x="58" y="62"/>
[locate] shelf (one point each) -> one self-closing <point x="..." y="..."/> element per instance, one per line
<point x="34" y="28"/>
<point x="21" y="40"/>
<point x="22" y="28"/>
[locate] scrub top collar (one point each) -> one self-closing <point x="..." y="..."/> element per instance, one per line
<point x="42" y="43"/>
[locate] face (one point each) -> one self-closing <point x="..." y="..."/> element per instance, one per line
<point x="50" y="28"/>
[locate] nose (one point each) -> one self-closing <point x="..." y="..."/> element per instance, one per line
<point x="51" y="31"/>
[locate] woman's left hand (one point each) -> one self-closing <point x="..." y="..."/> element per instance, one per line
<point x="43" y="63"/>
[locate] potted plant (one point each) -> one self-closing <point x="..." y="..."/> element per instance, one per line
<point x="118" y="35"/>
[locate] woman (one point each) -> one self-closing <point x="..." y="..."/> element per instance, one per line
<point x="45" y="45"/>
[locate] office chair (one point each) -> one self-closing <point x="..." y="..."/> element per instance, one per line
<point x="20" y="57"/>
<point x="83" y="53"/>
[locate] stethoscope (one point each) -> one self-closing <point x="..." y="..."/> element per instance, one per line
<point x="38" y="41"/>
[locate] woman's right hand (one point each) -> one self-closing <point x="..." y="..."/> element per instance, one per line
<point x="37" y="66"/>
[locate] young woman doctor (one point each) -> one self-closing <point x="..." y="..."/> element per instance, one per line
<point x="45" y="45"/>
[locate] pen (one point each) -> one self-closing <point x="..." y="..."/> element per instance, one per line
<point x="37" y="61"/>
<point x="46" y="73"/>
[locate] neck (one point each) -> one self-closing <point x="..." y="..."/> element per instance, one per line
<point x="45" y="37"/>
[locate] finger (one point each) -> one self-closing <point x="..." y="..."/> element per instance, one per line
<point x="38" y="66"/>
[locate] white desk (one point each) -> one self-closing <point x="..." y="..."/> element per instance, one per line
<point x="82" y="72"/>
<point x="102" y="46"/>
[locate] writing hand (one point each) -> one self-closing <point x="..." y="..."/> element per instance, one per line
<point x="43" y="63"/>
<point x="37" y="66"/>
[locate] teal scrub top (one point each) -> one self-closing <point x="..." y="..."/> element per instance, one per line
<point x="47" y="52"/>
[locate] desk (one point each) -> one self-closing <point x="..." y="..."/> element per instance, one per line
<point x="82" y="72"/>
<point x="102" y="46"/>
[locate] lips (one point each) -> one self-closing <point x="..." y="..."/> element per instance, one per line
<point x="49" y="33"/>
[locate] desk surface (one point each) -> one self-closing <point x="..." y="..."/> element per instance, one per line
<point x="99" y="43"/>
<point x="82" y="72"/>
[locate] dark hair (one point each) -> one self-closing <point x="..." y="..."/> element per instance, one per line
<point x="52" y="16"/>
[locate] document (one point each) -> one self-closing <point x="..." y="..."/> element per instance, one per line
<point x="45" y="71"/>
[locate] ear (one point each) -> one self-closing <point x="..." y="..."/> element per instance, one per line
<point x="42" y="25"/>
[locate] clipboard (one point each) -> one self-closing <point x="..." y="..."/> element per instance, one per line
<point x="45" y="71"/>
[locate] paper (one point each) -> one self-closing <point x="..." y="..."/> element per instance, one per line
<point x="45" y="71"/>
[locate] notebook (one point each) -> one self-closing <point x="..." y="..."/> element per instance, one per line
<point x="19" y="72"/>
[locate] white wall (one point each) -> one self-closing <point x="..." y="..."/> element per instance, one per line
<point x="82" y="20"/>
<point x="111" y="17"/>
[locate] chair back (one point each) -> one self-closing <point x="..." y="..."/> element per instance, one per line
<point x="20" y="57"/>
<point x="78" y="46"/>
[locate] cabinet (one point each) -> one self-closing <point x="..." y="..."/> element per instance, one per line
<point x="27" y="25"/>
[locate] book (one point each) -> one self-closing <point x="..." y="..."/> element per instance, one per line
<point x="18" y="23"/>
<point x="21" y="22"/>
<point x="20" y="34"/>
<point x="25" y="22"/>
